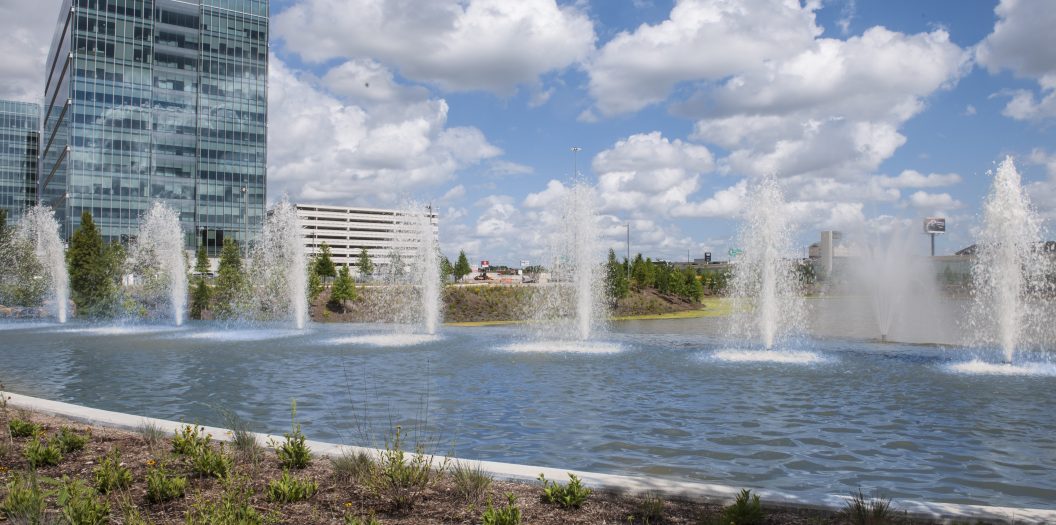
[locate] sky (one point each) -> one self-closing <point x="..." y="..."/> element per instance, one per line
<point x="871" y="114"/>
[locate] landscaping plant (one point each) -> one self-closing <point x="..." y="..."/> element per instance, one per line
<point x="871" y="511"/>
<point x="70" y="441"/>
<point x="41" y="453"/>
<point x="570" y="496"/>
<point x="189" y="439"/>
<point x="745" y="510"/>
<point x="289" y="489"/>
<point x="162" y="485"/>
<point x="111" y="474"/>
<point x="509" y="514"/>
<point x="80" y="505"/>
<point x="21" y="428"/>
<point x="25" y="501"/>
<point x="293" y="452"/>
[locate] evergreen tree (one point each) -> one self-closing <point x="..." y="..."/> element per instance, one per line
<point x="201" y="262"/>
<point x="615" y="279"/>
<point x="638" y="272"/>
<point x="3" y="228"/>
<point x="694" y="285"/>
<point x="315" y="286"/>
<point x="230" y="282"/>
<point x="344" y="289"/>
<point x="90" y="268"/>
<point x="445" y="269"/>
<point x="462" y="267"/>
<point x="324" y="263"/>
<point x="366" y="266"/>
<point x="199" y="298"/>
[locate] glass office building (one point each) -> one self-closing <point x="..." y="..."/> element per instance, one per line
<point x="158" y="100"/>
<point x="19" y="139"/>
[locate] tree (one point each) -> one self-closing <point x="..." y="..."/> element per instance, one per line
<point x="199" y="298"/>
<point x="638" y="272"/>
<point x="315" y="286"/>
<point x="324" y="263"/>
<point x="344" y="289"/>
<point x="201" y="263"/>
<point x="445" y="269"/>
<point x="615" y="280"/>
<point x="462" y="267"/>
<point x="230" y="282"/>
<point x="3" y="227"/>
<point x="90" y="266"/>
<point x="366" y="266"/>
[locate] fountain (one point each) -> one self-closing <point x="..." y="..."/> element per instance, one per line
<point x="158" y="256"/>
<point x="1010" y="270"/>
<point x="39" y="227"/>
<point x="279" y="267"/>
<point x="767" y="302"/>
<point x="426" y="266"/>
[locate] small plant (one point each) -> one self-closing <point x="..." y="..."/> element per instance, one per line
<point x="399" y="479"/>
<point x="130" y="514"/>
<point x="242" y="439"/>
<point x="351" y="466"/>
<point x="22" y="428"/>
<point x="70" y="441"/>
<point x="151" y="433"/>
<point x="162" y="485"/>
<point x="509" y="514"/>
<point x="24" y="502"/>
<point x="293" y="452"/>
<point x="208" y="461"/>
<point x="570" y="496"/>
<point x="650" y="509"/>
<point x="745" y="510"/>
<point x="470" y="480"/>
<point x="41" y="453"/>
<point x="111" y="474"/>
<point x="351" y="519"/>
<point x="289" y="489"/>
<point x="231" y="508"/>
<point x="189" y="439"/>
<point x="80" y="506"/>
<point x="872" y="511"/>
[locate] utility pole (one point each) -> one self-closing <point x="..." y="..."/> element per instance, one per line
<point x="575" y="166"/>
<point x="628" y="250"/>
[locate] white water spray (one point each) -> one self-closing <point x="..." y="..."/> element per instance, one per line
<point x="39" y="226"/>
<point x="159" y="248"/>
<point x="279" y="267"/>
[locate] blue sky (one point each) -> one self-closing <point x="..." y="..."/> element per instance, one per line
<point x="872" y="114"/>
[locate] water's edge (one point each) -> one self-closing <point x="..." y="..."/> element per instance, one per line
<point x="606" y="482"/>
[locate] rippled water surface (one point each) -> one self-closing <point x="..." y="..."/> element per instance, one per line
<point x="664" y="399"/>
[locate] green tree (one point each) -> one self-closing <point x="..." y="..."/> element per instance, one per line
<point x="615" y="279"/>
<point x="3" y="228"/>
<point x="638" y="272"/>
<point x="366" y="266"/>
<point x="445" y="269"/>
<point x="462" y="267"/>
<point x="199" y="297"/>
<point x="230" y="282"/>
<point x="315" y="286"/>
<point x="324" y="263"/>
<point x="90" y="264"/>
<point x="201" y="262"/>
<point x="344" y="289"/>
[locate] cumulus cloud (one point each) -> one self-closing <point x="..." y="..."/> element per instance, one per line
<point x="325" y="150"/>
<point x="492" y="45"/>
<point x="933" y="202"/>
<point x="26" y="28"/>
<point x="1021" y="42"/>
<point x="916" y="179"/>
<point x="1043" y="192"/>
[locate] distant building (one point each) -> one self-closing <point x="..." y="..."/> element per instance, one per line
<point x="19" y="143"/>
<point x="347" y="231"/>
<point x="150" y="100"/>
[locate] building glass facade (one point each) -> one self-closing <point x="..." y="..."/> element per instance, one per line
<point x="19" y="141"/>
<point x="158" y="100"/>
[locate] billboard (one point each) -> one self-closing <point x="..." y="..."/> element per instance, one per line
<point x="934" y="225"/>
<point x="707" y="257"/>
<point x="485" y="264"/>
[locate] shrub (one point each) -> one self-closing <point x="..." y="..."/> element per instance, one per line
<point x="231" y="508"/>
<point x="189" y="439"/>
<point x="40" y="453"/>
<point x="507" y="515"/>
<point x="151" y="433"/>
<point x="293" y="452"/>
<point x="351" y="466"/>
<point x="130" y="514"/>
<point x="399" y="479"/>
<point x="163" y="486"/>
<point x="21" y="428"/>
<point x="470" y="480"/>
<point x="873" y="511"/>
<point x="570" y="496"/>
<point x="24" y="502"/>
<point x="111" y="474"/>
<point x="650" y="509"/>
<point x="745" y="510"/>
<point x="208" y="461"/>
<point x="288" y="489"/>
<point x="80" y="506"/>
<point x="70" y="441"/>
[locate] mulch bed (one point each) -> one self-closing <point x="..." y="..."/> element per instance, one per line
<point x="336" y="498"/>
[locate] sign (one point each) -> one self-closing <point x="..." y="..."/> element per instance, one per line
<point x="525" y="264"/>
<point x="934" y="225"/>
<point x="734" y="252"/>
<point x="485" y="264"/>
<point x="707" y="257"/>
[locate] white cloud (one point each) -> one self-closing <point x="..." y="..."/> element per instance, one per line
<point x="1043" y="192"/>
<point x="26" y="28"/>
<point x="969" y="111"/>
<point x="324" y="150"/>
<point x="915" y="179"/>
<point x="492" y="45"/>
<point x="1022" y="43"/>
<point x="502" y="168"/>
<point x="933" y="202"/>
<point x="364" y="80"/>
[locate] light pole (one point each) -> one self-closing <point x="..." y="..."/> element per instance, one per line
<point x="575" y="168"/>
<point x="245" y="224"/>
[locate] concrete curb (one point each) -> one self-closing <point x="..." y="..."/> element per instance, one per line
<point x="943" y="512"/>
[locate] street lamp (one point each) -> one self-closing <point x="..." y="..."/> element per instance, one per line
<point x="245" y="224"/>
<point x="575" y="169"/>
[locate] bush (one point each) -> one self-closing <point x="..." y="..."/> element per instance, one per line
<point x="152" y="434"/>
<point x="745" y="510"/>
<point x="189" y="439"/>
<point x="70" y="441"/>
<point x="208" y="461"/>
<point x="508" y="515"/>
<point x="399" y="479"/>
<point x="111" y="474"/>
<point x="293" y="452"/>
<point x="570" y="496"/>
<point x="650" y="509"/>
<point x="862" y="511"/>
<point x="163" y="486"/>
<point x="40" y="453"/>
<point x="21" y="428"/>
<point x="24" y="502"/>
<point x="232" y="508"/>
<point x="288" y="489"/>
<point x="470" y="480"/>
<point x="353" y="466"/>
<point x="80" y="506"/>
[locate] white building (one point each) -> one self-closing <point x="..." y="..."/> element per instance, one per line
<point x="348" y="230"/>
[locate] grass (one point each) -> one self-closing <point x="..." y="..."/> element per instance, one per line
<point x="650" y="509"/>
<point x="868" y="511"/>
<point x="470" y="480"/>
<point x="152" y="434"/>
<point x="401" y="480"/>
<point x="353" y="466"/>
